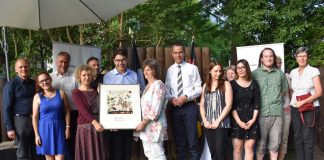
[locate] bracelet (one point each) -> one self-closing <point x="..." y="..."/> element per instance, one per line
<point x="67" y="126"/>
<point x="202" y="123"/>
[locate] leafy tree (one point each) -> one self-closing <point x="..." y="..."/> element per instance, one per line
<point x="220" y="25"/>
<point x="295" y="23"/>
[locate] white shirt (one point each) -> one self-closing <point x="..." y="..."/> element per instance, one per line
<point x="66" y="83"/>
<point x="191" y="81"/>
<point x="303" y="84"/>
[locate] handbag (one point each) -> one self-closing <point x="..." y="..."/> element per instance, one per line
<point x="306" y="107"/>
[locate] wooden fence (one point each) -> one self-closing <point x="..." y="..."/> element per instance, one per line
<point x="319" y="134"/>
<point x="163" y="56"/>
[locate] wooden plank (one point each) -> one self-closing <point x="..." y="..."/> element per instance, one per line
<point x="319" y="127"/>
<point x="205" y="62"/>
<point x="141" y="54"/>
<point x="171" y="149"/>
<point x="168" y="58"/>
<point x="187" y="54"/>
<point x="160" y="57"/>
<point x="150" y="53"/>
<point x="199" y="61"/>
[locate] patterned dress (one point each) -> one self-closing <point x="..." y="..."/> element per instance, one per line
<point x="153" y="105"/>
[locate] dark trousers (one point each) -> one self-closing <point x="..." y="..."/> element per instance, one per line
<point x="184" y="121"/>
<point x="303" y="134"/>
<point x="217" y="140"/>
<point x="229" y="145"/>
<point x="70" y="152"/>
<point x="25" y="138"/>
<point x="120" y="144"/>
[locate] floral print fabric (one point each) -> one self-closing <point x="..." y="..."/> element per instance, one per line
<point x="153" y="105"/>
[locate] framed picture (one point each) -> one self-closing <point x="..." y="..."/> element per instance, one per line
<point x="120" y="106"/>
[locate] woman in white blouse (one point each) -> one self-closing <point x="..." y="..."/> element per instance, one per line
<point x="304" y="79"/>
<point x="153" y="128"/>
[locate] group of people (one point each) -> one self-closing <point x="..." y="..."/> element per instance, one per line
<point x="60" y="111"/>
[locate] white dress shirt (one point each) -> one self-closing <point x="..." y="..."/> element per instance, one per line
<point x="191" y="81"/>
<point x="303" y="84"/>
<point x="66" y="83"/>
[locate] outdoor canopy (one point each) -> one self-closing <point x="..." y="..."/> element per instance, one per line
<point x="45" y="14"/>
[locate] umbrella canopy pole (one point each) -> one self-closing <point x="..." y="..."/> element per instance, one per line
<point x="4" y="46"/>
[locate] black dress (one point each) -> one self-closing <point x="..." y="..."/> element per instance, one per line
<point x="245" y="101"/>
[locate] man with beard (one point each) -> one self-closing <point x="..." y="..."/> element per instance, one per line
<point x="273" y="85"/>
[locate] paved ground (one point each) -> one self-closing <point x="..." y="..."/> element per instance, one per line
<point x="8" y="148"/>
<point x="318" y="154"/>
<point x="7" y="145"/>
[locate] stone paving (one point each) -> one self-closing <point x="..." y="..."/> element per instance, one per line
<point x="318" y="154"/>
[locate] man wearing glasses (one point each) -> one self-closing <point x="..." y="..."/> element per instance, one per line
<point x="18" y="96"/>
<point x="120" y="141"/>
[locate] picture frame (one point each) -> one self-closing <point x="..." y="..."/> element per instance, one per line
<point x="119" y="106"/>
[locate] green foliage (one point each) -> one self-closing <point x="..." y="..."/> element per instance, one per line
<point x="164" y="22"/>
<point x="33" y="45"/>
<point x="220" y="25"/>
<point x="295" y="23"/>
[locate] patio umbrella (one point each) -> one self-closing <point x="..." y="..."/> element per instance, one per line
<point x="45" y="14"/>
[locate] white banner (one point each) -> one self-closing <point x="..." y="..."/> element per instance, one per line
<point x="79" y="54"/>
<point x="252" y="53"/>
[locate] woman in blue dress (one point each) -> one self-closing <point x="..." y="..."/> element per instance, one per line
<point x="51" y="119"/>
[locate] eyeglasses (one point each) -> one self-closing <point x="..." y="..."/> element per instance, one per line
<point x="303" y="56"/>
<point x="44" y="80"/>
<point x="120" y="60"/>
<point x="181" y="52"/>
<point x="241" y="68"/>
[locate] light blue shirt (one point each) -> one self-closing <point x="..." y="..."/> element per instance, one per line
<point x="114" y="77"/>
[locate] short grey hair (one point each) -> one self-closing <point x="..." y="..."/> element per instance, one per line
<point x="64" y="54"/>
<point x="302" y="50"/>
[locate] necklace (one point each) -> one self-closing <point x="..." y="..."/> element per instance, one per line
<point x="49" y="97"/>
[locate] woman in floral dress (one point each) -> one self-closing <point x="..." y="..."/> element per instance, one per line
<point x="153" y="127"/>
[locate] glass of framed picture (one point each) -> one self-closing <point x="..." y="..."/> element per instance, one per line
<point x="120" y="106"/>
